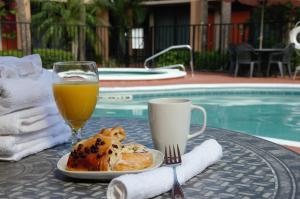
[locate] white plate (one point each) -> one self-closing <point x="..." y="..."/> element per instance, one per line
<point x="158" y="158"/>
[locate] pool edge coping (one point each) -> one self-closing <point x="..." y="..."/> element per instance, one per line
<point x="167" y="74"/>
<point x="192" y="86"/>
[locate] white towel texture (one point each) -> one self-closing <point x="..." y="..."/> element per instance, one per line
<point x="26" y="67"/>
<point x="13" y="144"/>
<point x="37" y="145"/>
<point x="21" y="93"/>
<point x="160" y="180"/>
<point x="29" y="120"/>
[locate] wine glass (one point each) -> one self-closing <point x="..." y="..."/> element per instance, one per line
<point x="75" y="93"/>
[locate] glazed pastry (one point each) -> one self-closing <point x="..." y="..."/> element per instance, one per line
<point x="104" y="152"/>
<point x="98" y="153"/>
<point x="134" y="157"/>
<point x="117" y="132"/>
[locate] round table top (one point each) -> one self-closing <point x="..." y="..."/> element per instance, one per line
<point x="250" y="168"/>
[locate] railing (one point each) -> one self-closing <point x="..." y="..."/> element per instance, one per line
<point x="175" y="65"/>
<point x="119" y="47"/>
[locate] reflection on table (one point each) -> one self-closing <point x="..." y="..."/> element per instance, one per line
<point x="250" y="168"/>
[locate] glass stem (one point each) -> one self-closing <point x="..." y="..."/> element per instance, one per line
<point x="76" y="136"/>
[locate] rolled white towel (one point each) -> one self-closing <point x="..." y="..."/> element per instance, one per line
<point x="36" y="145"/>
<point x="147" y="185"/>
<point x="29" y="120"/>
<point x="17" y="94"/>
<point x="13" y="67"/>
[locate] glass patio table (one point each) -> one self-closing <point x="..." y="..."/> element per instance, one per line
<point x="250" y="168"/>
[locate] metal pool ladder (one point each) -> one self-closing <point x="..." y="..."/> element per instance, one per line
<point x="175" y="65"/>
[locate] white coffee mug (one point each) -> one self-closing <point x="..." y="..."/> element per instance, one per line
<point x="170" y="121"/>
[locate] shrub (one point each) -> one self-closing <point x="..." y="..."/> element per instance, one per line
<point x="174" y="57"/>
<point x="210" y="61"/>
<point x="15" y="53"/>
<point x="48" y="56"/>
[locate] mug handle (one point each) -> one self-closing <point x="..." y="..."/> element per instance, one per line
<point x="204" y="122"/>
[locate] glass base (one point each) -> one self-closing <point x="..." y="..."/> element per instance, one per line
<point x="76" y="136"/>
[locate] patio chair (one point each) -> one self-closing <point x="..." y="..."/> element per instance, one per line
<point x="245" y="55"/>
<point x="297" y="70"/>
<point x="281" y="59"/>
<point x="232" y="58"/>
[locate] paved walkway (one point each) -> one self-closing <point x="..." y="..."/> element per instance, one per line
<point x="205" y="78"/>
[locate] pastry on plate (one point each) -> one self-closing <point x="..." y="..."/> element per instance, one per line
<point x="105" y="152"/>
<point x="134" y="157"/>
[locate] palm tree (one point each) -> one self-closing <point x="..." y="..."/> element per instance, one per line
<point x="60" y="22"/>
<point x="3" y="13"/>
<point x="125" y="14"/>
<point x="99" y="9"/>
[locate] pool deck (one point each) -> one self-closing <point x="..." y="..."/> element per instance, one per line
<point x="206" y="78"/>
<point x="202" y="78"/>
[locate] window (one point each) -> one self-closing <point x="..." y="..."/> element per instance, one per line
<point x="137" y="38"/>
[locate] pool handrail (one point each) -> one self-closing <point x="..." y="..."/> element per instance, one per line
<point x="171" y="48"/>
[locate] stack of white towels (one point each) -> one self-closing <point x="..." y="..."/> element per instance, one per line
<point x="29" y="119"/>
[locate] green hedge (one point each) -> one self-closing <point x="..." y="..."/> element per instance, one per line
<point x="48" y="56"/>
<point x="210" y="61"/>
<point x="15" y="53"/>
<point x="203" y="61"/>
<point x="173" y="57"/>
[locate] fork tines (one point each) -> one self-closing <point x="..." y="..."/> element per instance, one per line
<point x="172" y="158"/>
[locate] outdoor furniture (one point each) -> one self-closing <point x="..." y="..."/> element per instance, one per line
<point x="250" y="168"/>
<point x="296" y="71"/>
<point x="281" y="59"/>
<point x="245" y="55"/>
<point x="264" y="54"/>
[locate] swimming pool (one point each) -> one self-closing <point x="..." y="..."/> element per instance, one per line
<point x="269" y="111"/>
<point x="139" y="73"/>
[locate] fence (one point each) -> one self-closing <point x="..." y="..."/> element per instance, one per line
<point x="129" y="47"/>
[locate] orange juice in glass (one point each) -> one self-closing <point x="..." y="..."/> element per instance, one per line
<point x="76" y="93"/>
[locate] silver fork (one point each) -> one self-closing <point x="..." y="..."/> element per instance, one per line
<point x="174" y="160"/>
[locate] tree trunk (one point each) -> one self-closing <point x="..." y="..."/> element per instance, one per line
<point x="23" y="26"/>
<point x="75" y="47"/>
<point x="102" y="37"/>
<point x="82" y="34"/>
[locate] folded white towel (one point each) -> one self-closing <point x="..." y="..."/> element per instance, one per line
<point x="31" y="147"/>
<point x="17" y="94"/>
<point x="13" y="67"/>
<point x="11" y="144"/>
<point x="29" y="120"/>
<point x="158" y="181"/>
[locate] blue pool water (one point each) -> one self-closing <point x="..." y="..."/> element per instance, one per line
<point x="266" y="112"/>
